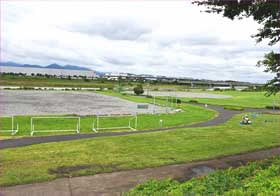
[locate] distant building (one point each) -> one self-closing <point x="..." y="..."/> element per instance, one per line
<point x="116" y="76"/>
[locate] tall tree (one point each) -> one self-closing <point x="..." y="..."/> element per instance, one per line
<point x="266" y="13"/>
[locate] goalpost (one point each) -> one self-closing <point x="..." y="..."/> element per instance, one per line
<point x="131" y="123"/>
<point x="35" y="119"/>
<point x="13" y="130"/>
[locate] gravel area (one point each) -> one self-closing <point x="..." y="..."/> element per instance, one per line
<point x="185" y="94"/>
<point x="28" y="102"/>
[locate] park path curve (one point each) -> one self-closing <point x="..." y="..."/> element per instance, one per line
<point x="223" y="116"/>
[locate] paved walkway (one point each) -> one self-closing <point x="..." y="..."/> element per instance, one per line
<point x="113" y="184"/>
<point x="223" y="116"/>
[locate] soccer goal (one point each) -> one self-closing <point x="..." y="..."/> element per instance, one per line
<point x="54" y="124"/>
<point x="115" y="122"/>
<point x="7" y="125"/>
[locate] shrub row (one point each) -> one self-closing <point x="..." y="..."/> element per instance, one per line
<point x="237" y="108"/>
<point x="257" y="178"/>
<point x="272" y="107"/>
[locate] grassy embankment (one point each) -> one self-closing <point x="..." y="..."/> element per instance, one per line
<point x="49" y="161"/>
<point x="28" y="81"/>
<point x="258" y="178"/>
<point x="240" y="99"/>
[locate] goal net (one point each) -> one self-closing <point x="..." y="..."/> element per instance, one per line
<point x="115" y="122"/>
<point x="54" y="124"/>
<point x="7" y="125"/>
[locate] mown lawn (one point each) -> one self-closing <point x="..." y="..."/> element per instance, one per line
<point x="238" y="100"/>
<point x="45" y="162"/>
<point x="241" y="99"/>
<point x="257" y="178"/>
<point x="192" y="114"/>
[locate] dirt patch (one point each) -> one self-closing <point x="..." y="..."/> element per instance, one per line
<point x="237" y="163"/>
<point x="69" y="171"/>
<point x="30" y="102"/>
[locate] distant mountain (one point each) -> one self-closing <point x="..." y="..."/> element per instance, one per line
<point x="51" y="66"/>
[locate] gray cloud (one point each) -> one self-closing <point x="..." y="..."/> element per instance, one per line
<point x="197" y="40"/>
<point x="119" y="61"/>
<point x="112" y="29"/>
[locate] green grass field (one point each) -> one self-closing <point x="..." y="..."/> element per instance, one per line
<point x="241" y="99"/>
<point x="49" y="161"/>
<point x="257" y="178"/>
<point x="238" y="101"/>
<point x="191" y="114"/>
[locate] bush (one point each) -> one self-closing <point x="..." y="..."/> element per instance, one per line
<point x="193" y="101"/>
<point x="175" y="100"/>
<point x="138" y="90"/>
<point x="237" y="108"/>
<point x="154" y="187"/>
<point x="26" y="88"/>
<point x="270" y="107"/>
<point x="149" y="96"/>
<point x="257" y="178"/>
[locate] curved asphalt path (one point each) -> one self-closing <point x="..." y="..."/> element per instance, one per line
<point x="223" y="116"/>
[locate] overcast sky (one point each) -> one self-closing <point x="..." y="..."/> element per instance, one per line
<point x="158" y="37"/>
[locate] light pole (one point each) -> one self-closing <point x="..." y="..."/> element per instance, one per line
<point x="148" y="89"/>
